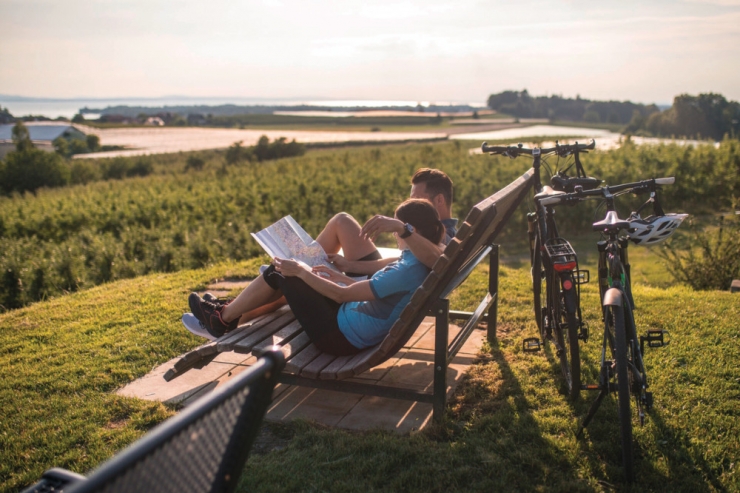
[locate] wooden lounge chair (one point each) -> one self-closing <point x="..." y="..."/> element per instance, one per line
<point x="308" y="366"/>
<point x="202" y="449"/>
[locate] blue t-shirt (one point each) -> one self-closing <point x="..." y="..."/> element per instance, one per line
<point x="366" y="323"/>
<point x="450" y="229"/>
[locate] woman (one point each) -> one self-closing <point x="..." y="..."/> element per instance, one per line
<point x="340" y="315"/>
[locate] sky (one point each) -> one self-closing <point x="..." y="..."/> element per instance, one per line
<point x="452" y="51"/>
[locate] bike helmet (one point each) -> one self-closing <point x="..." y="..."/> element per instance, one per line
<point x="654" y="229"/>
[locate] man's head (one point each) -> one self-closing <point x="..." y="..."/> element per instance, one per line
<point x="435" y="186"/>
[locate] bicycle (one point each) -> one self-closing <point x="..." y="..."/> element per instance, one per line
<point x="554" y="262"/>
<point x="625" y="372"/>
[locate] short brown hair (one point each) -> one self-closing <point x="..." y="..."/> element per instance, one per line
<point x="436" y="182"/>
<point x="421" y="214"/>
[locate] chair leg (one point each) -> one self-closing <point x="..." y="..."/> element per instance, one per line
<point x="493" y="263"/>
<point x="441" y="336"/>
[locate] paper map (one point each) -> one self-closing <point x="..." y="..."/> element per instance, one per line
<point x="287" y="239"/>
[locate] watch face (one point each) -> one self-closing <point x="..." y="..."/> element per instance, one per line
<point x="407" y="230"/>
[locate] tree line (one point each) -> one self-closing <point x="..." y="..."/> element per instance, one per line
<point x="522" y="105"/>
<point x="706" y="116"/>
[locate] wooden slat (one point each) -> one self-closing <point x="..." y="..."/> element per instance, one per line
<point x="279" y="338"/>
<point x="313" y="369"/>
<point x="348" y="370"/>
<point x="298" y="362"/>
<point x="246" y="344"/>
<point x="226" y="343"/>
<point x="330" y="371"/>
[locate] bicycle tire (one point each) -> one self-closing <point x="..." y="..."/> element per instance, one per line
<point x="574" y="363"/>
<point x="537" y="286"/>
<point x="623" y="390"/>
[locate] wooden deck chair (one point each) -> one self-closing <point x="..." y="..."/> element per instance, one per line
<point x="202" y="449"/>
<point x="308" y="366"/>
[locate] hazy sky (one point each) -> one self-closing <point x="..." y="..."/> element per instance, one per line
<point x="461" y="50"/>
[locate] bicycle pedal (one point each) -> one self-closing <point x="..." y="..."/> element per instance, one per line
<point x="582" y="276"/>
<point x="583" y="332"/>
<point x="655" y="338"/>
<point x="531" y="345"/>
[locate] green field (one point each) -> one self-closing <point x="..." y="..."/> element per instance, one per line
<point x="112" y="263"/>
<point x="508" y="427"/>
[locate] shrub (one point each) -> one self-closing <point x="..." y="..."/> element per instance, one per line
<point x="711" y="261"/>
<point x="30" y="169"/>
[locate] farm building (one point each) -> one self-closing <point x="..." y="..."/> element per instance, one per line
<point x="42" y="135"/>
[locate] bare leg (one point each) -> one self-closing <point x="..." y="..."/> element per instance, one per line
<point x="267" y="308"/>
<point x="343" y="231"/>
<point x="255" y="295"/>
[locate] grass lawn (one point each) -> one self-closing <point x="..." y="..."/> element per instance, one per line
<point x="509" y="427"/>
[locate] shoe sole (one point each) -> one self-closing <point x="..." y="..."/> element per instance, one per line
<point x="194" y="327"/>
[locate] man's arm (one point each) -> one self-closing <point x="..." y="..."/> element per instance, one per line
<point x="424" y="250"/>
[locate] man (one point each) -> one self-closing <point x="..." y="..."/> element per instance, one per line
<point x="431" y="184"/>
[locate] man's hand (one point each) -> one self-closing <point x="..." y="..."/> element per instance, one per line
<point x="381" y="224"/>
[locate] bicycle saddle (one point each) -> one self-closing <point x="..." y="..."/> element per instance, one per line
<point x="611" y="223"/>
<point x="547" y="191"/>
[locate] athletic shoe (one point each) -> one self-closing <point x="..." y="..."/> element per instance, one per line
<point x="209" y="314"/>
<point x="217" y="301"/>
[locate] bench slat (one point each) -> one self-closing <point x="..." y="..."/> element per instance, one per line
<point x="279" y="338"/>
<point x="245" y="345"/>
<point x="313" y="369"/>
<point x="227" y="341"/>
<point x="299" y="360"/>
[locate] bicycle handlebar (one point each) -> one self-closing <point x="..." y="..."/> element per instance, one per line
<point x="636" y="187"/>
<point x="561" y="150"/>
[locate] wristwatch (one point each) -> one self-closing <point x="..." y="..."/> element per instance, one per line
<point x="407" y="230"/>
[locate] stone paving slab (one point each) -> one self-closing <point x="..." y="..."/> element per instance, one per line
<point x="411" y="367"/>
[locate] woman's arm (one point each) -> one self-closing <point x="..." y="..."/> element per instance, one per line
<point x="359" y="291"/>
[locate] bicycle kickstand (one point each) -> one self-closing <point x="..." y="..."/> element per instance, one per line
<point x="591" y="413"/>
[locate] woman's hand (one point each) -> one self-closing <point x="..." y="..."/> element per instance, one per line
<point x="339" y="261"/>
<point x="291" y="268"/>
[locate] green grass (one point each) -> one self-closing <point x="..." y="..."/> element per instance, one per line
<point x="509" y="426"/>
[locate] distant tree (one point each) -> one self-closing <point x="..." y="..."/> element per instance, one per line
<point x="236" y="153"/>
<point x="78" y="118"/>
<point x="21" y="137"/>
<point x="591" y="116"/>
<point x="61" y="146"/>
<point x="31" y="169"/>
<point x="5" y="116"/>
<point x="195" y="163"/>
<point x="93" y="142"/>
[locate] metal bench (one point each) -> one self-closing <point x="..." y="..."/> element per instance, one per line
<point x="308" y="366"/>
<point x="202" y="449"/>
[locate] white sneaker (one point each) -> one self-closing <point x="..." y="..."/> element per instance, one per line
<point x="193" y="325"/>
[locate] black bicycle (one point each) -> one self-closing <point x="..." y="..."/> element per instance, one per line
<point x="622" y="366"/>
<point x="553" y="260"/>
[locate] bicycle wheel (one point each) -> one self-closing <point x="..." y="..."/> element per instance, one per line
<point x="623" y="390"/>
<point x="537" y="286"/>
<point x="572" y="349"/>
<point x="565" y="328"/>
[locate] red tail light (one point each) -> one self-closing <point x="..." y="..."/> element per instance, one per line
<point x="568" y="266"/>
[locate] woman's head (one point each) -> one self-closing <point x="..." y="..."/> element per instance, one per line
<point x="421" y="214"/>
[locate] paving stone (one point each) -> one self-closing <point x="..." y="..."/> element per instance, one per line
<point x="396" y="415"/>
<point x="323" y="406"/>
<point x="153" y="387"/>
